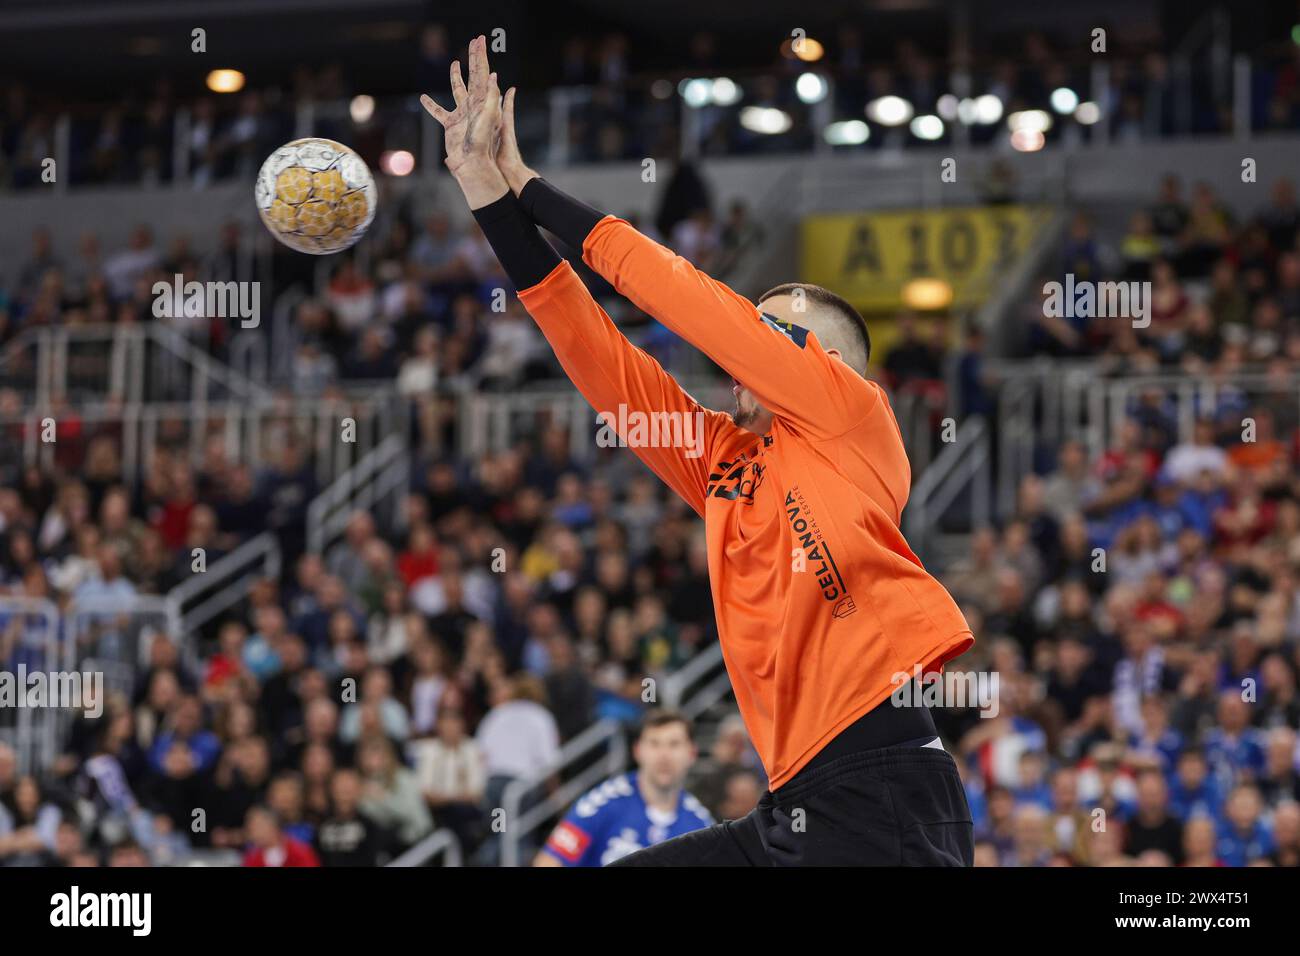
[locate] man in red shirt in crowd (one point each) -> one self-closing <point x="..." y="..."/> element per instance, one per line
<point x="271" y="846"/>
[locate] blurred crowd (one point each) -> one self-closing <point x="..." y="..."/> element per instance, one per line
<point x="1224" y="298"/>
<point x="397" y="682"/>
<point x="1225" y="290"/>
<point x="1142" y="603"/>
<point x="623" y="103"/>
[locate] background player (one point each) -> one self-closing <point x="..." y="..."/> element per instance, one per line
<point x="637" y="809"/>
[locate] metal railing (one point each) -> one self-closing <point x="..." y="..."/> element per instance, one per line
<point x="122" y="363"/>
<point x="1045" y="402"/>
<point x="112" y="631"/>
<point x="34" y="732"/>
<point x="250" y="433"/>
<point x="1013" y="286"/>
<point x="385" y="471"/>
<point x="198" y="600"/>
<point x="438" y="842"/>
<point x="99" y="635"/>
<point x="962" y="468"/>
<point x="490" y="423"/>
<point x="698" y="684"/>
<point x="1111" y="401"/>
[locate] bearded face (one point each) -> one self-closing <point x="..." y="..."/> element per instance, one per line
<point x="747" y="410"/>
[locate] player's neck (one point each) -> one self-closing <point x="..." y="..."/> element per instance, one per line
<point x="656" y="797"/>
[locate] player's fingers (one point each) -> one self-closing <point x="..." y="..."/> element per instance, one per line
<point x="458" y="90"/>
<point x="434" y="110"/>
<point x="478" y="69"/>
<point x="508" y="145"/>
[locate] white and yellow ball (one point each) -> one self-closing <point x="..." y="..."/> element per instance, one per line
<point x="316" y="196"/>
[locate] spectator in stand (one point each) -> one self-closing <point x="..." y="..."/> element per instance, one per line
<point x="271" y="846"/>
<point x="198" y="748"/>
<point x="1243" y="833"/>
<point x="1152" y="827"/>
<point x="1234" y="749"/>
<point x="391" y="794"/>
<point x="1139" y="248"/>
<point x="1169" y="213"/>
<point x="347" y="837"/>
<point x="912" y="358"/>
<point x="519" y="737"/>
<point x="1286" y="835"/>
<point x="453" y="776"/>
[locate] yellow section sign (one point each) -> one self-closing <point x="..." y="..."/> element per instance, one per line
<point x="869" y="257"/>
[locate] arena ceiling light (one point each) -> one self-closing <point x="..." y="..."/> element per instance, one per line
<point x="807" y="49"/>
<point x="225" y="81"/>
<point x="696" y="92"/>
<point x="725" y="92"/>
<point x="847" y="133"/>
<point x="1087" y="113"/>
<point x="988" y="109"/>
<point x="1034" y="121"/>
<point x="927" y="127"/>
<point x="889" y="111"/>
<point x="811" y="88"/>
<point x="397" y="162"/>
<point x="765" y="119"/>
<point x="1027" y="140"/>
<point x="362" y="108"/>
<point x="927" y="294"/>
<point x="982" y="110"/>
<point x="1064" y="100"/>
<point x="947" y="107"/>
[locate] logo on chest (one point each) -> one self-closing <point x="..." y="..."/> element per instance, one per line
<point x="739" y="478"/>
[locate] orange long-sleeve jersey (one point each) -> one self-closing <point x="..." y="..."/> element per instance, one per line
<point x="820" y="602"/>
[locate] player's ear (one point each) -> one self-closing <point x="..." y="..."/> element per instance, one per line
<point x="836" y="354"/>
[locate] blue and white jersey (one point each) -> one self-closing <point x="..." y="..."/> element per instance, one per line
<point x="612" y="820"/>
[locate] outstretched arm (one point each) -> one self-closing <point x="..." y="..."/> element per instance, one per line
<point x="784" y="365"/>
<point x="671" y="432"/>
<point x="667" y="429"/>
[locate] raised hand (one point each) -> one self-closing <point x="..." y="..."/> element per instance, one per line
<point x="509" y="161"/>
<point x="471" y="129"/>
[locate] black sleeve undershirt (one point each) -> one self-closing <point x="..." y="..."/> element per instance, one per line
<point x="522" y="250"/>
<point x="566" y="217"/>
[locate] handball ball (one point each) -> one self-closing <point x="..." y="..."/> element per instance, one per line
<point x="316" y="196"/>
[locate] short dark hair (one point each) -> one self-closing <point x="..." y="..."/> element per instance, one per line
<point x="852" y="320"/>
<point x="662" y="717"/>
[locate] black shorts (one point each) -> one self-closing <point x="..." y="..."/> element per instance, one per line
<point x="893" y="806"/>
